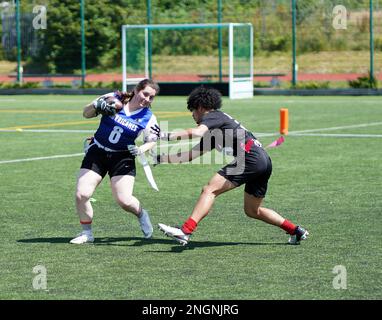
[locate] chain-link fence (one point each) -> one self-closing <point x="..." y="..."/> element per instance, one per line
<point x="43" y="38"/>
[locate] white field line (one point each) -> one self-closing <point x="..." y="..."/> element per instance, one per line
<point x="311" y="101"/>
<point x="362" y="125"/>
<point x="336" y="135"/>
<point x="339" y="128"/>
<point x="190" y="142"/>
<point x="47" y="130"/>
<point x="43" y="158"/>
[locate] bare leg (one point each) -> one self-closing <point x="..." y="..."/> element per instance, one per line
<point x="122" y="188"/>
<point x="216" y="186"/>
<point x="87" y="182"/>
<point x="252" y="209"/>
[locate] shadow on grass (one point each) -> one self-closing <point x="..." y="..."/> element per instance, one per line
<point x="121" y="241"/>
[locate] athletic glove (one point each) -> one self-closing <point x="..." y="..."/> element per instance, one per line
<point x="134" y="150"/>
<point x="161" y="135"/>
<point x="155" y="130"/>
<point x="106" y="108"/>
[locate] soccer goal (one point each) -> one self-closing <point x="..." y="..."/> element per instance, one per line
<point x="215" y="52"/>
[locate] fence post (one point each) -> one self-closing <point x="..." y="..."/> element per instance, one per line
<point x="18" y="35"/>
<point x="294" y="64"/>
<point x="371" y="43"/>
<point x="148" y="12"/>
<point x="83" y="57"/>
<point x="220" y="39"/>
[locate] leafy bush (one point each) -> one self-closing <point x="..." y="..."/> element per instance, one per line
<point x="378" y="44"/>
<point x="16" y="85"/>
<point x="312" y="85"/>
<point x="364" y="82"/>
<point x="278" y="43"/>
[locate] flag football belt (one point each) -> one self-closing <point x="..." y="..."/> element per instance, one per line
<point x="106" y="148"/>
<point x="249" y="143"/>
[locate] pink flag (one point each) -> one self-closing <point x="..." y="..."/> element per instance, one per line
<point x="276" y="143"/>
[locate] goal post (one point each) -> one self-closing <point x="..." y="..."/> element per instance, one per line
<point x="237" y="48"/>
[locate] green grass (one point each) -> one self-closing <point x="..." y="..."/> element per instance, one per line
<point x="329" y="184"/>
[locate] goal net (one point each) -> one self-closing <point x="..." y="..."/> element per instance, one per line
<point x="199" y="53"/>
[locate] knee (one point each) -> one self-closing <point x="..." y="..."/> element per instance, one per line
<point x="82" y="195"/>
<point x="209" y="190"/>
<point x="126" y="203"/>
<point x="252" y="212"/>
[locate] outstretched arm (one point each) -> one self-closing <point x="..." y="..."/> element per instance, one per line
<point x="188" y="133"/>
<point x="181" y="157"/>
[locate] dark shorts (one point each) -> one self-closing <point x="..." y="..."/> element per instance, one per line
<point x="114" y="163"/>
<point x="254" y="171"/>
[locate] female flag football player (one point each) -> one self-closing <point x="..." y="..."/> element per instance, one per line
<point x="112" y="150"/>
<point x="252" y="166"/>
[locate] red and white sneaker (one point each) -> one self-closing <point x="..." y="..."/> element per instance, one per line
<point x="175" y="233"/>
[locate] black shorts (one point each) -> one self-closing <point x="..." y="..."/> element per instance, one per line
<point x="114" y="163"/>
<point x="254" y="171"/>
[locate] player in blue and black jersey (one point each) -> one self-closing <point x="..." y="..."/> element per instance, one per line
<point x="112" y="150"/>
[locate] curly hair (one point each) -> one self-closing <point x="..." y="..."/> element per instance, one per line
<point x="208" y="98"/>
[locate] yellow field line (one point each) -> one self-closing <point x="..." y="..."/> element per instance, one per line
<point x="80" y="111"/>
<point x="60" y="124"/>
<point x="39" y="111"/>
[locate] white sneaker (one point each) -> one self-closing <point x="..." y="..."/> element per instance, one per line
<point x="146" y="226"/>
<point x="300" y="234"/>
<point x="83" y="237"/>
<point x="175" y="233"/>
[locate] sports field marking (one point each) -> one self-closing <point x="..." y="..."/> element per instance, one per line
<point x="81" y="154"/>
<point x="362" y="125"/>
<point x="46" y="130"/>
<point x="57" y="111"/>
<point x="188" y="143"/>
<point x="280" y="102"/>
<point x="58" y="124"/>
<point x="300" y="132"/>
<point x="41" y="111"/>
<point x="43" y="158"/>
<point x="336" y="135"/>
<point x="165" y="114"/>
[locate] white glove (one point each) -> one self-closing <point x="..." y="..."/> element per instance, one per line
<point x="134" y="150"/>
<point x="165" y="136"/>
<point x="160" y="134"/>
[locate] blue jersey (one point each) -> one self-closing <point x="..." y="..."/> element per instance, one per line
<point x="118" y="131"/>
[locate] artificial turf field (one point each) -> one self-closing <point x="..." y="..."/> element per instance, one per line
<point x="327" y="176"/>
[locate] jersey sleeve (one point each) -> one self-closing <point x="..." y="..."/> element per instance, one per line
<point x="148" y="134"/>
<point x="212" y="120"/>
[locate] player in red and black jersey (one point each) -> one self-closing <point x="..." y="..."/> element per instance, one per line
<point x="252" y="165"/>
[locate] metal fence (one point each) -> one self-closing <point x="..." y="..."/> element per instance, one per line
<point x="312" y="43"/>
